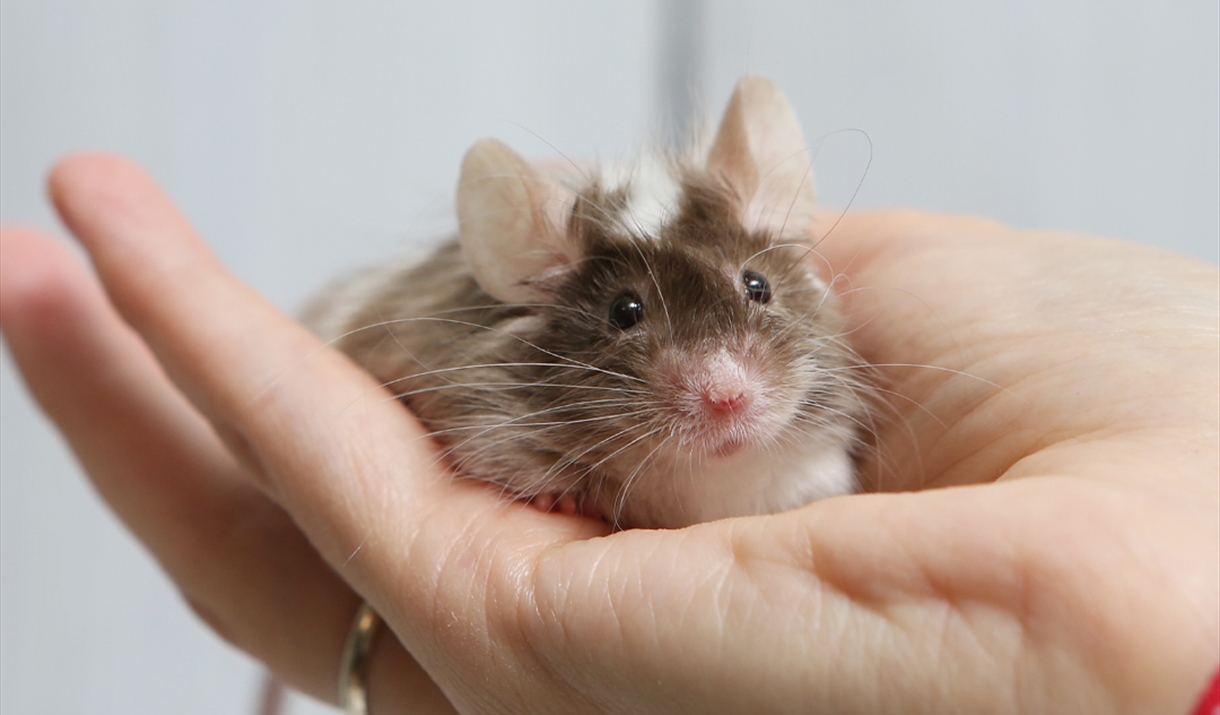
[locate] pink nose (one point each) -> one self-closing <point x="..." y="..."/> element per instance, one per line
<point x="725" y="401"/>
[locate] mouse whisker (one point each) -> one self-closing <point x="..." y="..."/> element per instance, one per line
<point x="565" y="358"/>
<point x="773" y="247"/>
<point x="523" y="430"/>
<point x="918" y="366"/>
<point x="620" y="500"/>
<point x="572" y="457"/>
<point x="501" y="365"/>
<point x="503" y="387"/>
<point x="520" y="421"/>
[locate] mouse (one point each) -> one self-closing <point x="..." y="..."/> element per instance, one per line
<point x="651" y="344"/>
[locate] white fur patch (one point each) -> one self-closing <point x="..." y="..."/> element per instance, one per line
<point x="653" y="193"/>
<point x="754" y="481"/>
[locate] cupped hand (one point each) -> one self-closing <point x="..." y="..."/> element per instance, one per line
<point x="1065" y="387"/>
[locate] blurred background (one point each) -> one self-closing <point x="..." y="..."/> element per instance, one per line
<point x="306" y="137"/>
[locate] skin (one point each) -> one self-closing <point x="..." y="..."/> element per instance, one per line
<point x="1074" y="565"/>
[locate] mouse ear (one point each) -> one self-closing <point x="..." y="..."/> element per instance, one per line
<point x="760" y="153"/>
<point x="512" y="222"/>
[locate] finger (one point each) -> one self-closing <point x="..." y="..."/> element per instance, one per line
<point x="353" y="468"/>
<point x="260" y="378"/>
<point x="237" y="557"/>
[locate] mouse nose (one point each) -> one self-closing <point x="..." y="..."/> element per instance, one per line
<point x="725" y="399"/>
<point x="721" y="389"/>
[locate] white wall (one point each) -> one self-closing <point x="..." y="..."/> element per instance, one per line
<point x="304" y="137"/>
<point x="1091" y="115"/>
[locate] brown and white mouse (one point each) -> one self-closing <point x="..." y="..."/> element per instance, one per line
<point x="651" y="344"/>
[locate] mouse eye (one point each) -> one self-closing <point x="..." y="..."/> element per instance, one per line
<point x="626" y="311"/>
<point x="757" y="287"/>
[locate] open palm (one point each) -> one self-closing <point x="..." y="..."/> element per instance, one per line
<point x="1065" y="387"/>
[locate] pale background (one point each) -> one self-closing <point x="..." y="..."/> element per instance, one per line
<point x="305" y="137"/>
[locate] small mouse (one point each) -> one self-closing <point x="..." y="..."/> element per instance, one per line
<point x="649" y="344"/>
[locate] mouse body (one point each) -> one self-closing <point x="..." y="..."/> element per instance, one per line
<point x="652" y="344"/>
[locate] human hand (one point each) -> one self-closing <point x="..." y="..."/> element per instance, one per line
<point x="1070" y="398"/>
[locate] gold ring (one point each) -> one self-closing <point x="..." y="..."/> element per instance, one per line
<point x="353" y="668"/>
